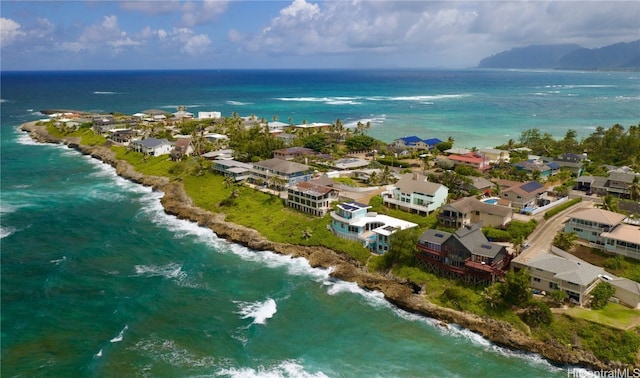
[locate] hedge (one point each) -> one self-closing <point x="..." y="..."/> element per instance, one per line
<point x="562" y="207"/>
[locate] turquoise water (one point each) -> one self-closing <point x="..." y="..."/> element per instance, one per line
<point x="98" y="281"/>
<point x="491" y="201"/>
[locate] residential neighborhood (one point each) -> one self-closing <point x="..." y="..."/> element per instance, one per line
<point x="468" y="192"/>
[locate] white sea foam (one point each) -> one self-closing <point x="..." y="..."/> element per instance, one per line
<point x="237" y="103"/>
<point x="120" y="336"/>
<point x="6" y="231"/>
<point x="259" y="311"/>
<point x="58" y="261"/>
<point x="171" y="353"/>
<point x="104" y="93"/>
<point x="288" y="368"/>
<point x="26" y="140"/>
<point x="325" y="100"/>
<point x="169" y="271"/>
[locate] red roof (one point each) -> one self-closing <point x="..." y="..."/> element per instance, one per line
<point x="468" y="158"/>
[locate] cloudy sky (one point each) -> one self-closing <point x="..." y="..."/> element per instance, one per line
<point x="53" y="35"/>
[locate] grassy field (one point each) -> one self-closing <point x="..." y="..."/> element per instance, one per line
<point x="618" y="265"/>
<point x="613" y="315"/>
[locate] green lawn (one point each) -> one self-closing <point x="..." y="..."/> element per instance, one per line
<point x="613" y="315"/>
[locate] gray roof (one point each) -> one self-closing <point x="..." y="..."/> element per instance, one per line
<point x="578" y="272"/>
<point x="152" y="142"/>
<point x="626" y="284"/>
<point x="474" y="241"/>
<point x="621" y="176"/>
<point x="435" y="236"/>
<point x="585" y="179"/>
<point x="469" y="204"/>
<point x="417" y="183"/>
<point x="282" y="166"/>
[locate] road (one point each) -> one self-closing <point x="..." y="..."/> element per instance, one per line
<point x="541" y="238"/>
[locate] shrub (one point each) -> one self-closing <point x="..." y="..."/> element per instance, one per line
<point x="536" y="313"/>
<point x="601" y="295"/>
<point x="562" y="207"/>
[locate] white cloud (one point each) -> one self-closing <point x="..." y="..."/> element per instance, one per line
<point x="202" y="12"/>
<point x="9" y="31"/>
<point x="449" y="31"/>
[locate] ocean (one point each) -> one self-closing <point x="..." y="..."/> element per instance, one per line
<point x="98" y="281"/>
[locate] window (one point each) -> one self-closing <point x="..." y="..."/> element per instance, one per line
<point x="536" y="279"/>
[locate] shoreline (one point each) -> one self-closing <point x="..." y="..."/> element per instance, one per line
<point x="402" y="294"/>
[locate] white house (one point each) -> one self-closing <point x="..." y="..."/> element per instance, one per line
<point x="152" y="146"/>
<point x="209" y="115"/>
<point x="352" y="221"/>
<point x="415" y="193"/>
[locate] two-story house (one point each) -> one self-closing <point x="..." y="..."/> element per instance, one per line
<point x="416" y="194"/>
<point x="287" y="171"/>
<point x="549" y="272"/>
<point x="353" y="221"/>
<point x="469" y="210"/>
<point x="232" y="168"/>
<point x="152" y="146"/>
<point x="465" y="254"/>
<point x="617" y="184"/>
<point x="525" y="195"/>
<point x="471" y="159"/>
<point x="293" y="152"/>
<point x="590" y="223"/>
<point x="312" y="198"/>
<point x="624" y="240"/>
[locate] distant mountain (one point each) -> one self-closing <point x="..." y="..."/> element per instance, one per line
<point x="568" y="57"/>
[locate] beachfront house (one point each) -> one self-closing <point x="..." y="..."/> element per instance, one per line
<point x="494" y="155"/>
<point x="414" y="193"/>
<point x="231" y="168"/>
<point x="352" y="221"/>
<point x="469" y="210"/>
<point x="549" y="272"/>
<point x="285" y="172"/>
<point x="466" y="254"/>
<point x="311" y="197"/>
<point x="209" y="115"/>
<point x="415" y="143"/>
<point x="182" y="147"/>
<point x="152" y="146"/>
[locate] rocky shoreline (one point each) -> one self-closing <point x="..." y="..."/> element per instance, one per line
<point x="402" y="294"/>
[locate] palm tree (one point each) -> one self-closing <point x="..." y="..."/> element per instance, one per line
<point x="307" y="233"/>
<point x="386" y="176"/>
<point x="610" y="203"/>
<point x="565" y="240"/>
<point x="228" y="181"/>
<point x="634" y="189"/>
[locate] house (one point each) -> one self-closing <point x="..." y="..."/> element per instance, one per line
<point x="627" y="291"/>
<point x="457" y="151"/>
<point x="219" y="140"/>
<point x="479" y="184"/>
<point x="287" y="138"/>
<point x="350" y="163"/>
<point x="534" y="167"/>
<point x="465" y="254"/>
<point x="226" y="154"/>
<point x="574" y="163"/>
<point x="416" y="194"/>
<point x="232" y="168"/>
<point x="549" y="272"/>
<point x="313" y="125"/>
<point x="406" y="142"/>
<point x="590" y="223"/>
<point x="183" y="147"/>
<point x="493" y="155"/>
<point x="209" y="115"/>
<point x="471" y="159"/>
<point x="122" y="136"/>
<point x="623" y="239"/>
<point x="276" y="127"/>
<point x="617" y="184"/>
<point x="352" y="221"/>
<point x="525" y="195"/>
<point x="431" y="143"/>
<point x="311" y="197"/>
<point x="152" y="146"/>
<point x="182" y="114"/>
<point x="469" y="210"/>
<point x="293" y="152"/>
<point x="287" y="171"/>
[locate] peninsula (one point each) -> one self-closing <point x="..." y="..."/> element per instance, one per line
<point x="404" y="292"/>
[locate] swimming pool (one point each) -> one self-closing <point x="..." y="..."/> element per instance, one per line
<point x="491" y="201"/>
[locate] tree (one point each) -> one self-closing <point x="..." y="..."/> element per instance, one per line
<point x="536" y="313"/>
<point x="610" y="203"/>
<point x="360" y="143"/>
<point x="601" y="295"/>
<point x="307" y="233"/>
<point x="402" y="248"/>
<point x="558" y="296"/>
<point x="634" y="189"/>
<point x="565" y="240"/>
<point x="228" y="181"/>
<point x="513" y="291"/>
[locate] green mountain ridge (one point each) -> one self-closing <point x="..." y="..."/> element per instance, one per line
<point x="619" y="56"/>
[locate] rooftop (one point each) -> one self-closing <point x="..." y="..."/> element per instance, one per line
<point x="577" y="272"/>
<point x="598" y="216"/>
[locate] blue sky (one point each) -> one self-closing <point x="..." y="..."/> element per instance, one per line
<point x="71" y="35"/>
